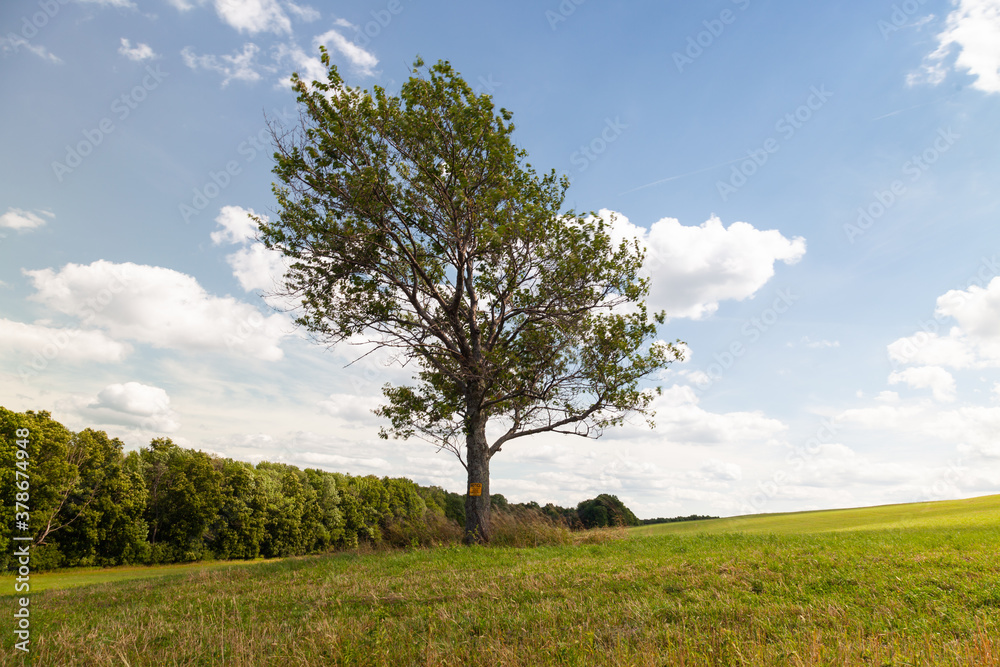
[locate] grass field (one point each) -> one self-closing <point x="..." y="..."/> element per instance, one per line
<point x="895" y="595"/>
<point x="973" y="512"/>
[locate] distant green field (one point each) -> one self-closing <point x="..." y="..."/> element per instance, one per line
<point x="969" y="513"/>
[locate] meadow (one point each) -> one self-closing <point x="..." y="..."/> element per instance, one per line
<point x="897" y="585"/>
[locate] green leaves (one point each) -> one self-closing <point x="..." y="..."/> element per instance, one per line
<point x="415" y="221"/>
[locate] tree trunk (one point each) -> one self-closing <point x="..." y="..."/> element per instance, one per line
<point x="477" y="507"/>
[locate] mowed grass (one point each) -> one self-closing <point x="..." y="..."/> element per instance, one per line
<point x="972" y="512"/>
<point x="910" y="596"/>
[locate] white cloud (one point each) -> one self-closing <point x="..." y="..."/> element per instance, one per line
<point x="974" y="28"/>
<point x="930" y="349"/>
<point x="937" y="379"/>
<point x="974" y="342"/>
<point x="353" y="409"/>
<point x="722" y="470"/>
<point x="138" y="53"/>
<point x="977" y="311"/>
<point x="16" y="218"/>
<point x="293" y="58"/>
<point x="679" y="419"/>
<point x="819" y="344"/>
<point x="255" y="266"/>
<point x="38" y="344"/>
<point x="12" y="42"/>
<point x="834" y="465"/>
<point x="239" y="66"/>
<point x="134" y="404"/>
<point x="237" y="225"/>
<point x="258" y="268"/>
<point x="363" y="61"/>
<point x="254" y="16"/>
<point x="887" y="397"/>
<point x="694" y="268"/>
<point x="303" y="12"/>
<point x="973" y="428"/>
<point x="161" y="307"/>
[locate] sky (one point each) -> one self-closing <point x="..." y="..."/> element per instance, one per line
<point x="812" y="182"/>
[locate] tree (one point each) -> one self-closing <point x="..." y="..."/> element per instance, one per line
<point x="605" y="510"/>
<point x="415" y="224"/>
<point x="185" y="497"/>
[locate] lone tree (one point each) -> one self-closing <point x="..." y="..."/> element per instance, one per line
<point x="414" y="223"/>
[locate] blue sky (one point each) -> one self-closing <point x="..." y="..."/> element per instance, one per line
<point x="815" y="184"/>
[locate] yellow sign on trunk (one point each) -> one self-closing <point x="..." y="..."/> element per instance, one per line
<point x="475" y="489"/>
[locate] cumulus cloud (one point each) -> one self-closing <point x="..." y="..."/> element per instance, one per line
<point x="161" y="307"/>
<point x="239" y="66"/>
<point x="255" y="266"/>
<point x="680" y="419"/>
<point x="694" y="268"/>
<point x="136" y="53"/>
<point x="977" y="311"/>
<point x="37" y="344"/>
<point x="236" y="225"/>
<point x="19" y="219"/>
<point x="254" y="16"/>
<point x="974" y="342"/>
<point x="974" y="30"/>
<point x="935" y="378"/>
<point x="931" y="349"/>
<point x="134" y="404"/>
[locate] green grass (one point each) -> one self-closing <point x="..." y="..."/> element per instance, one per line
<point x="973" y="512"/>
<point x="85" y="576"/>
<point x="885" y="597"/>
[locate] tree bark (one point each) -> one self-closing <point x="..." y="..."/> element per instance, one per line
<point x="477" y="508"/>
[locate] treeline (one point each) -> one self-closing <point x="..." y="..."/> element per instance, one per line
<point x="90" y="503"/>
<point x="604" y="510"/>
<point x="690" y="517"/>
